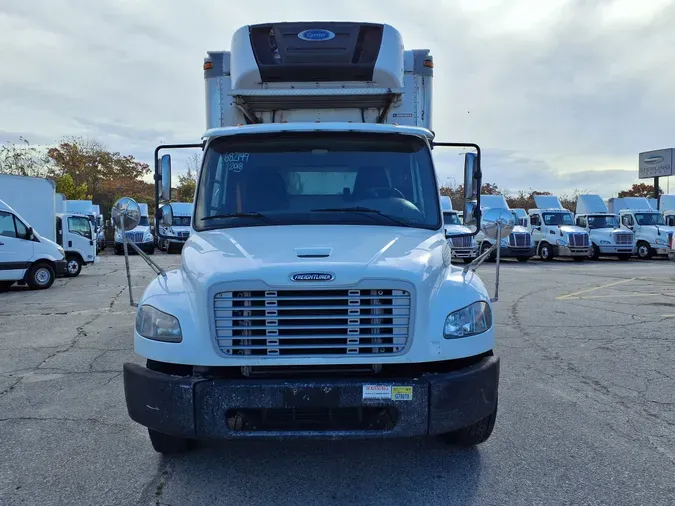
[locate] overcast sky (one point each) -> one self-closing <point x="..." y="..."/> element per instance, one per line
<point x="560" y="94"/>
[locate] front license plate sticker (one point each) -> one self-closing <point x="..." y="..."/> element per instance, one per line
<point x="401" y="393"/>
<point x="376" y="391"/>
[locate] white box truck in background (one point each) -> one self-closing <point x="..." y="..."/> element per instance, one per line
<point x="517" y="245"/>
<point x="60" y="203"/>
<point x="315" y="295"/>
<point x="93" y="212"/>
<point x="554" y="231"/>
<point x="463" y="247"/>
<point x="179" y="230"/>
<point x="652" y="235"/>
<point x="667" y="209"/>
<point x="604" y="229"/>
<point x="35" y="199"/>
<point x="141" y="236"/>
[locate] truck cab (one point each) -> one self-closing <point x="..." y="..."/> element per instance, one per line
<point x="518" y="245"/>
<point x="141" y="236"/>
<point x="315" y="295"/>
<point x="463" y="247"/>
<point x="652" y="235"/>
<point x="607" y="236"/>
<point x="77" y="236"/>
<point x="521" y="214"/>
<point x="179" y="230"/>
<point x="554" y="232"/>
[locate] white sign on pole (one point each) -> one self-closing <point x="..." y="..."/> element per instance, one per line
<point x="656" y="163"/>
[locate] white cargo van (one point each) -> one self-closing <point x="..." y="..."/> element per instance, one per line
<point x="518" y="245"/>
<point x="25" y="256"/>
<point x="141" y="236"/>
<point x="554" y="232"/>
<point x="465" y="246"/>
<point x="607" y="236"/>
<point x="652" y="235"/>
<point x="316" y="295"/>
<point x="179" y="230"/>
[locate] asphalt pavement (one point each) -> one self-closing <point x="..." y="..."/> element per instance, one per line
<point x="586" y="407"/>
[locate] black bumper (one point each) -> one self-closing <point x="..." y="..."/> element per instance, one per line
<point x="60" y="267"/>
<point x="508" y="252"/>
<point x="214" y="408"/>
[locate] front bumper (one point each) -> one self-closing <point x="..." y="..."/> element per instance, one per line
<point x="566" y="251"/>
<point x="662" y="250"/>
<point x="464" y="252"/>
<point x="614" y="249"/>
<point x="202" y="408"/>
<point x="145" y="246"/>
<point x="60" y="267"/>
<point x="509" y="252"/>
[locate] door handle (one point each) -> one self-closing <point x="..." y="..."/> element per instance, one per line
<point x="70" y="244"/>
<point x="91" y="243"/>
<point x="2" y="243"/>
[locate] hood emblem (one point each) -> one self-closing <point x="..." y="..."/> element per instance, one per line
<point x="312" y="276"/>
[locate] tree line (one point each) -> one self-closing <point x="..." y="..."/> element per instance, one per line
<point x="85" y="169"/>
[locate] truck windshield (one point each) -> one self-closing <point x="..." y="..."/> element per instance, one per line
<point x="451" y="219"/>
<point x="649" y="219"/>
<point x="603" y="222"/>
<point x="144" y="222"/>
<point x="181" y="221"/>
<point x="338" y="178"/>
<point x="558" y="219"/>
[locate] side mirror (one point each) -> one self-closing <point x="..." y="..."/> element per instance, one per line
<point x="472" y="184"/>
<point x="30" y="234"/>
<point x="497" y="224"/>
<point x="126" y="214"/>
<point x="166" y="216"/>
<point x="165" y="189"/>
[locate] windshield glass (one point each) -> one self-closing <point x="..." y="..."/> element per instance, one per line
<point x="451" y="219"/>
<point x="339" y="178"/>
<point x="603" y="222"/>
<point x="649" y="219"/>
<point x="80" y="226"/>
<point x="144" y="222"/>
<point x="558" y="219"/>
<point x="181" y="221"/>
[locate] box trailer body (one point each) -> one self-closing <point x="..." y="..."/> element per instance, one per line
<point x="604" y="228"/>
<point x="554" y="232"/>
<point x="652" y="235"/>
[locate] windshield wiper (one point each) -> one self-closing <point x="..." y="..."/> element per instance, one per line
<point x="359" y="209"/>
<point x="260" y="216"/>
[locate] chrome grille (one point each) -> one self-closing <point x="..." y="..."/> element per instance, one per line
<point x="579" y="240"/>
<point x="520" y="240"/>
<point x="461" y="242"/>
<point x="319" y="322"/>
<point x="134" y="236"/>
<point x="623" y="238"/>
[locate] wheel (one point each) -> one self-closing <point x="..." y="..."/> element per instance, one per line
<point x="625" y="257"/>
<point x="644" y="251"/>
<point x="523" y="259"/>
<point x="74" y="266"/>
<point x="474" y="434"/>
<point x="484" y="247"/>
<point x="579" y="259"/>
<point x="5" y="285"/>
<point x="593" y="252"/>
<point x="40" y="276"/>
<point x="546" y="252"/>
<point x="467" y="260"/>
<point x="167" y="444"/>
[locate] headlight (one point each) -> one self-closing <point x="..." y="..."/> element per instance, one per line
<point x="605" y="242"/>
<point x="661" y="241"/>
<point x="469" y="321"/>
<point x="155" y="324"/>
<point x="561" y="242"/>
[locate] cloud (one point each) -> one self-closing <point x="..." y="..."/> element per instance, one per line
<point x="560" y="94"/>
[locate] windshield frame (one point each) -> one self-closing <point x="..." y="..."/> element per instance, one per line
<point x="140" y="224"/>
<point x="642" y="214"/>
<point x="236" y="222"/>
<point x="455" y="215"/>
<point x="617" y="221"/>
<point x="549" y="213"/>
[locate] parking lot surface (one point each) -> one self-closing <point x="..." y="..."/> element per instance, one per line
<point x="586" y="408"/>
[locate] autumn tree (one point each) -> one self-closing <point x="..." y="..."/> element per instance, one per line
<point x="66" y="185"/>
<point x="640" y="190"/>
<point x="456" y="194"/>
<point x="22" y="159"/>
<point x="187" y="182"/>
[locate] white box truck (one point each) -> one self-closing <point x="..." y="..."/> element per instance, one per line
<point x="35" y="199"/>
<point x="604" y="229"/>
<point x="141" y="236"/>
<point x="518" y="245"/>
<point x="179" y="230"/>
<point x="667" y="209"/>
<point x="464" y="246"/>
<point x="554" y="232"/>
<point x="652" y="235"/>
<point x="315" y="295"/>
<point x="93" y="212"/>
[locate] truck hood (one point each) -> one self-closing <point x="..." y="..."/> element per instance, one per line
<point x="273" y="253"/>
<point x="571" y="229"/>
<point x="520" y="230"/>
<point x="457" y="229"/>
<point x="607" y="232"/>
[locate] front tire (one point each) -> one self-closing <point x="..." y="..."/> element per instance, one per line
<point x="474" y="434"/>
<point x="40" y="276"/>
<point x="593" y="252"/>
<point x="73" y="267"/>
<point x="546" y="252"/>
<point x="644" y="251"/>
<point x="167" y="444"/>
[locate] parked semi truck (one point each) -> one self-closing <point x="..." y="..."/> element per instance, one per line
<point x="179" y="230"/>
<point x="652" y="235"/>
<point x="522" y="216"/>
<point x="604" y="229"/>
<point x="36" y="200"/>
<point x="315" y="295"/>
<point x="142" y="235"/>
<point x="554" y="232"/>
<point x="463" y="247"/>
<point x="667" y="208"/>
<point x="518" y="244"/>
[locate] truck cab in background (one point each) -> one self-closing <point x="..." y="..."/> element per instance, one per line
<point x="181" y="225"/>
<point x="667" y="208"/>
<point x="554" y="232"/>
<point x="521" y="214"/>
<point x="141" y="236"/>
<point x="517" y="245"/>
<point x="75" y="233"/>
<point x="604" y="229"/>
<point x="463" y="247"/>
<point x="652" y="235"/>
